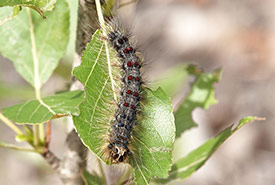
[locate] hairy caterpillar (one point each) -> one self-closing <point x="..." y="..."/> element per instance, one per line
<point x="129" y="98"/>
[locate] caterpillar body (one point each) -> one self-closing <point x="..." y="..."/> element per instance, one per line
<point x="129" y="98"/>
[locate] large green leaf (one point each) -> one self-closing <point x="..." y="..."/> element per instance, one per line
<point x="201" y="94"/>
<point x="154" y="139"/>
<point x="154" y="134"/>
<point x="186" y="166"/>
<point x="39" y="5"/>
<point x="34" y="44"/>
<point x="35" y="111"/>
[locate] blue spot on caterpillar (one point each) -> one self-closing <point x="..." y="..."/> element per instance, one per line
<point x="129" y="98"/>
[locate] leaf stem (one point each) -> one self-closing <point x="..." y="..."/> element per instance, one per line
<point x="48" y="134"/>
<point x="41" y="133"/>
<point x="37" y="84"/>
<point x="36" y="75"/>
<point x="28" y="130"/>
<point x="100" y="16"/>
<point x="35" y="135"/>
<point x="9" y="146"/>
<point x="10" y="124"/>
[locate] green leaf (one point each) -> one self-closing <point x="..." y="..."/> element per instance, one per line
<point x="39" y="5"/>
<point x="35" y="111"/>
<point x="201" y="95"/>
<point x="186" y="166"/>
<point x="35" y="45"/>
<point x="152" y="138"/>
<point x="173" y="80"/>
<point x="91" y="179"/>
<point x="7" y="10"/>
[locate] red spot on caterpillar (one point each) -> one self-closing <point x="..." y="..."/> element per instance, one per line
<point x="133" y="107"/>
<point x="126" y="104"/>
<point x="120" y="41"/>
<point x="130" y="77"/>
<point x="136" y="64"/>
<point x="137" y="79"/>
<point x="130" y="49"/>
<point x="136" y="94"/>
<point x="125" y="50"/>
<point x="129" y="64"/>
<point x="129" y="92"/>
<point x="124" y="38"/>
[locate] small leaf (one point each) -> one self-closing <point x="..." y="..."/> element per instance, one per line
<point x="35" y="45"/>
<point x="91" y="179"/>
<point x="173" y="80"/>
<point x="201" y="95"/>
<point x="153" y="136"/>
<point x="186" y="166"/>
<point x="40" y="5"/>
<point x="35" y="112"/>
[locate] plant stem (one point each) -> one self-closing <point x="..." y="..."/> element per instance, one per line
<point x="10" y="124"/>
<point x="35" y="135"/>
<point x="48" y="134"/>
<point x="5" y="145"/>
<point x="100" y="16"/>
<point x="41" y="133"/>
<point x="28" y="130"/>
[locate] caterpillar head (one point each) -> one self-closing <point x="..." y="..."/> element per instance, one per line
<point x="119" y="153"/>
<point x="117" y="39"/>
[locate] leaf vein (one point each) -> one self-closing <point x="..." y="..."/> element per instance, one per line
<point x="97" y="58"/>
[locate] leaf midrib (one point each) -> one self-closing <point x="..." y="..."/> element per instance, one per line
<point x="37" y="83"/>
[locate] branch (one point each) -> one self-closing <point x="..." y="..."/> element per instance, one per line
<point x="13" y="147"/>
<point x="87" y="24"/>
<point x="74" y="160"/>
<point x="52" y="160"/>
<point x="75" y="154"/>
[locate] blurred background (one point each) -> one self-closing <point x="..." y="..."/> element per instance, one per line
<point x="238" y="36"/>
